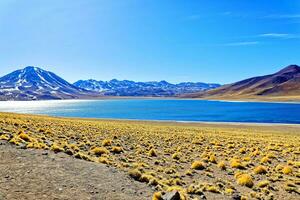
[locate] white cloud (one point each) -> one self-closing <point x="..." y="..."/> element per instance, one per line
<point x="279" y="35"/>
<point x="245" y="43"/>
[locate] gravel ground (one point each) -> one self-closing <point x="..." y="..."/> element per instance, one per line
<point x="35" y="174"/>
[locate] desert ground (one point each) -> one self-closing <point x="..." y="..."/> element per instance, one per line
<point x="61" y="158"/>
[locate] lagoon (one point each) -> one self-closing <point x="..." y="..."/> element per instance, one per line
<point x="162" y="109"/>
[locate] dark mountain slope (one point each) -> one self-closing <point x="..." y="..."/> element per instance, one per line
<point x="284" y="83"/>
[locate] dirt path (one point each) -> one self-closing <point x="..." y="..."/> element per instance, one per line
<point x="35" y="174"/>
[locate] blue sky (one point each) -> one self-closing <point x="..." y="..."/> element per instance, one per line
<point x="210" y="41"/>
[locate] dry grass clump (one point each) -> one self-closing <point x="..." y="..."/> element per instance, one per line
<point x="176" y="156"/>
<point x="222" y="165"/>
<point x="198" y="165"/>
<point x="157" y="196"/>
<point x="229" y="191"/>
<point x="287" y="170"/>
<point x="212" y="158"/>
<point x="103" y="160"/>
<point x="116" y="149"/>
<point x="107" y="142"/>
<point x="168" y="156"/>
<point x="56" y="148"/>
<point x="152" y="152"/>
<point x="265" y="159"/>
<point x="99" y="151"/>
<point x="291" y="187"/>
<point x="260" y="170"/>
<point x="263" y="183"/>
<point x="212" y="188"/>
<point x="245" y="180"/>
<point x="242" y="150"/>
<point x="236" y="163"/>
<point x="135" y="174"/>
<point x="4" y="137"/>
<point x="24" y="136"/>
<point x="82" y="156"/>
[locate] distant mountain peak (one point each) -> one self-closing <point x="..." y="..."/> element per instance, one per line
<point x="290" y="69"/>
<point x="31" y="83"/>
<point x="30" y="67"/>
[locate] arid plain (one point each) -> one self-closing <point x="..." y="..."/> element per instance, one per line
<point x="212" y="161"/>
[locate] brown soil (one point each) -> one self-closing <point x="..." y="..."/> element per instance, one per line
<point x="38" y="174"/>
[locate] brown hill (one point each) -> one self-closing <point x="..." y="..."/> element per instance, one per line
<point x="282" y="85"/>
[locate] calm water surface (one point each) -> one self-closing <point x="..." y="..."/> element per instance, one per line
<point x="149" y="109"/>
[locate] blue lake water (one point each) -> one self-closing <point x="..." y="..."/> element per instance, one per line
<point x="162" y="109"/>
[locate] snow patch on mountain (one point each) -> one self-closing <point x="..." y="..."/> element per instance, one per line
<point x="34" y="83"/>
<point x="115" y="87"/>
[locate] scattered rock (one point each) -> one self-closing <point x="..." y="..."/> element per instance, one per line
<point x="236" y="196"/>
<point x="174" y="195"/>
<point x="48" y="143"/>
<point x="22" y="146"/>
<point x="202" y="195"/>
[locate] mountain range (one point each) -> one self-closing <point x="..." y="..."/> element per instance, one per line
<point x="282" y="85"/>
<point x="131" y="88"/>
<point x="33" y="83"/>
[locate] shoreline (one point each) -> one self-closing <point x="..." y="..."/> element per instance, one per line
<point x="296" y="101"/>
<point x="167" y="122"/>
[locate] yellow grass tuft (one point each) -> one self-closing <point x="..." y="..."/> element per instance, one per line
<point x="135" y="174"/>
<point x="287" y="170"/>
<point x="198" y="165"/>
<point x="263" y="183"/>
<point x="245" y="180"/>
<point x="56" y="148"/>
<point x="229" y="191"/>
<point x="265" y="160"/>
<point x="222" y="165"/>
<point x="24" y="137"/>
<point x="260" y="170"/>
<point x="107" y="142"/>
<point x="236" y="163"/>
<point x="212" y="189"/>
<point x="82" y="156"/>
<point x="212" y="158"/>
<point x="116" y="149"/>
<point x="242" y="150"/>
<point x="4" y="137"/>
<point x="176" y="156"/>
<point x="99" y="151"/>
<point x="157" y="196"/>
<point x="152" y="153"/>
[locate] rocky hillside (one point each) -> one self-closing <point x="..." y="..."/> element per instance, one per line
<point x="284" y="83"/>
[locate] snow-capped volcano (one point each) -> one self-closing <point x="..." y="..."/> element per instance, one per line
<point x="34" y="83"/>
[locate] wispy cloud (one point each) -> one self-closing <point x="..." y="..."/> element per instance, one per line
<point x="244" y="43"/>
<point x="279" y="35"/>
<point x="276" y="35"/>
